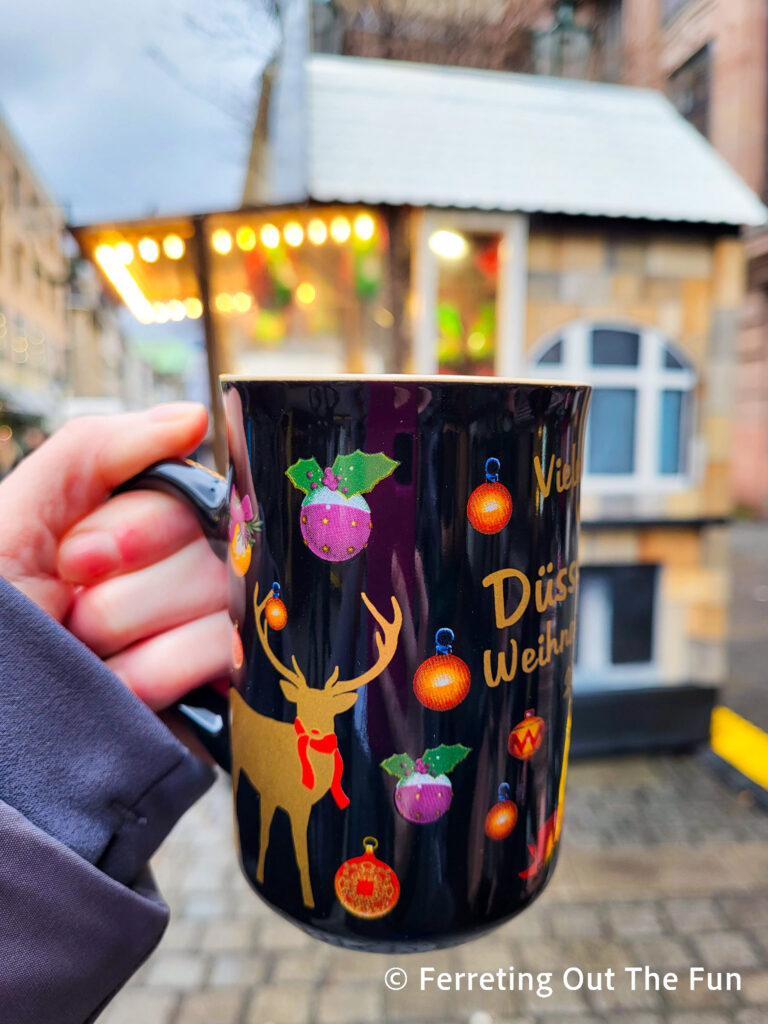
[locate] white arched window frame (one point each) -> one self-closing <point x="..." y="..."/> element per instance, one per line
<point x="649" y="379"/>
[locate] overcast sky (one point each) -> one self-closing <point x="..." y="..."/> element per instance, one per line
<point x="127" y="107"/>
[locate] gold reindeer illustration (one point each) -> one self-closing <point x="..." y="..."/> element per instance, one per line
<point x="292" y="766"/>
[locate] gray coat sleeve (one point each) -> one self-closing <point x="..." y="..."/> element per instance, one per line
<point x="91" y="782"/>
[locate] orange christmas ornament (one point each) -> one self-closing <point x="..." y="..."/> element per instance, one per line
<point x="240" y="550"/>
<point x="366" y="886"/>
<point x="238" y="655"/>
<point x="442" y="681"/>
<point x="502" y="817"/>
<point x="275" y="611"/>
<point x="527" y="736"/>
<point x="490" y="505"/>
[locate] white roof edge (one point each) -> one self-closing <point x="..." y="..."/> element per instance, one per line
<point x="617" y="151"/>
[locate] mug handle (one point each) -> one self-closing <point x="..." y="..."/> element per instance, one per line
<point x="205" y="710"/>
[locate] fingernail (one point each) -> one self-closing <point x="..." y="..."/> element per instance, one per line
<point x="89" y="555"/>
<point x="174" y="411"/>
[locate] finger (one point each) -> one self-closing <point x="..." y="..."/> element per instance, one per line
<point x="128" y="532"/>
<point x="77" y="468"/>
<point x="166" y="667"/>
<point x="121" y="611"/>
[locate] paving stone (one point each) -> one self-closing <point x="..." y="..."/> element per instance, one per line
<point x="699" y="1017"/>
<point x="222" y="1007"/>
<point x="227" y="935"/>
<point x="181" y="971"/>
<point x="755" y="988"/>
<point x="276" y="934"/>
<point x="660" y="953"/>
<point x="309" y="965"/>
<point x="723" y="950"/>
<point x="694" y="915"/>
<point x="182" y="935"/>
<point x="560" y="1002"/>
<point x="749" y="1016"/>
<point x="237" y="969"/>
<point x="350" y="1004"/>
<point x="576" y="922"/>
<point x="635" y="919"/>
<point x="624" y="998"/>
<point x="743" y="911"/>
<point x="281" y="1004"/>
<point x="136" y="1005"/>
<point x="205" y="906"/>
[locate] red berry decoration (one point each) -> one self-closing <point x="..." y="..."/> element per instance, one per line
<point x="502" y="817"/>
<point x="238" y="655"/>
<point x="490" y="505"/>
<point x="275" y="611"/>
<point x="442" y="681"/>
<point x="527" y="736"/>
<point x="366" y="886"/>
<point x="424" y="792"/>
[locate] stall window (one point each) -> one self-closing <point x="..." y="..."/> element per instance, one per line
<point x="616" y="620"/>
<point x="640" y="424"/>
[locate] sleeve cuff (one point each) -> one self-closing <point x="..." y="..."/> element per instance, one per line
<point x="70" y="936"/>
<point x="80" y="756"/>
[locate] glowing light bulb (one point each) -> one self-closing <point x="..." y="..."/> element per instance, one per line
<point x="176" y="310"/>
<point x="340" y="229"/>
<point x="317" y="232"/>
<point x="270" y="236"/>
<point x="224" y="302"/>
<point x="305" y="293"/>
<point x="448" y="244"/>
<point x="193" y="308"/>
<point x="245" y="238"/>
<point x="293" y="233"/>
<point x="149" y="250"/>
<point x="173" y="247"/>
<point x="124" y="252"/>
<point x="242" y="302"/>
<point x="364" y="226"/>
<point x="221" y="241"/>
<point x="160" y="311"/>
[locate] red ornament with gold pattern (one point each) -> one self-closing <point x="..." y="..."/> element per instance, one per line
<point x="527" y="736"/>
<point x="238" y="655"/>
<point x="489" y="508"/>
<point x="366" y="886"/>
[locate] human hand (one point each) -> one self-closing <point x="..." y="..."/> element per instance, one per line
<point x="132" y="576"/>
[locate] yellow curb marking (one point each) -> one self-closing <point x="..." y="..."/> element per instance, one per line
<point x="741" y="744"/>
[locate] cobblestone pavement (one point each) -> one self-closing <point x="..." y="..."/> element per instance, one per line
<point x="661" y="865"/>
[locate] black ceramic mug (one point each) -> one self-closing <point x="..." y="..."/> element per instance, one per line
<point x="403" y="566"/>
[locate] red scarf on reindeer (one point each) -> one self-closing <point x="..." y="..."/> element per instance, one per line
<point x="327" y="744"/>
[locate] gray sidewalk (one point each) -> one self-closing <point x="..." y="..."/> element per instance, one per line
<point x="661" y="865"/>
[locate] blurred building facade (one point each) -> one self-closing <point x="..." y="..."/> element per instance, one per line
<point x="34" y="272"/>
<point x="710" y="57"/>
<point x="456" y="221"/>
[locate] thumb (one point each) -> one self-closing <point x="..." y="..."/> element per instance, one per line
<point x="80" y="465"/>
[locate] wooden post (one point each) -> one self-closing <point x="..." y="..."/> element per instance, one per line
<point x="202" y="269"/>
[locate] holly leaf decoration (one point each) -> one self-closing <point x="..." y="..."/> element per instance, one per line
<point x="361" y="471"/>
<point x="304" y="473"/>
<point x="399" y="765"/>
<point x="443" y="759"/>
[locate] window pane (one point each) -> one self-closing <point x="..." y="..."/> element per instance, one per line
<point x="632" y="627"/>
<point x="672" y="433"/>
<point x="615" y="348"/>
<point x="612" y="431"/>
<point x="554" y="354"/>
<point x="671" y="361"/>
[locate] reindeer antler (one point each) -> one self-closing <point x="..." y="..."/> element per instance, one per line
<point x="295" y="675"/>
<point x="386" y="643"/>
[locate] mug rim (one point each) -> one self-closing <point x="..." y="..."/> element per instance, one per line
<point x="397" y="378"/>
